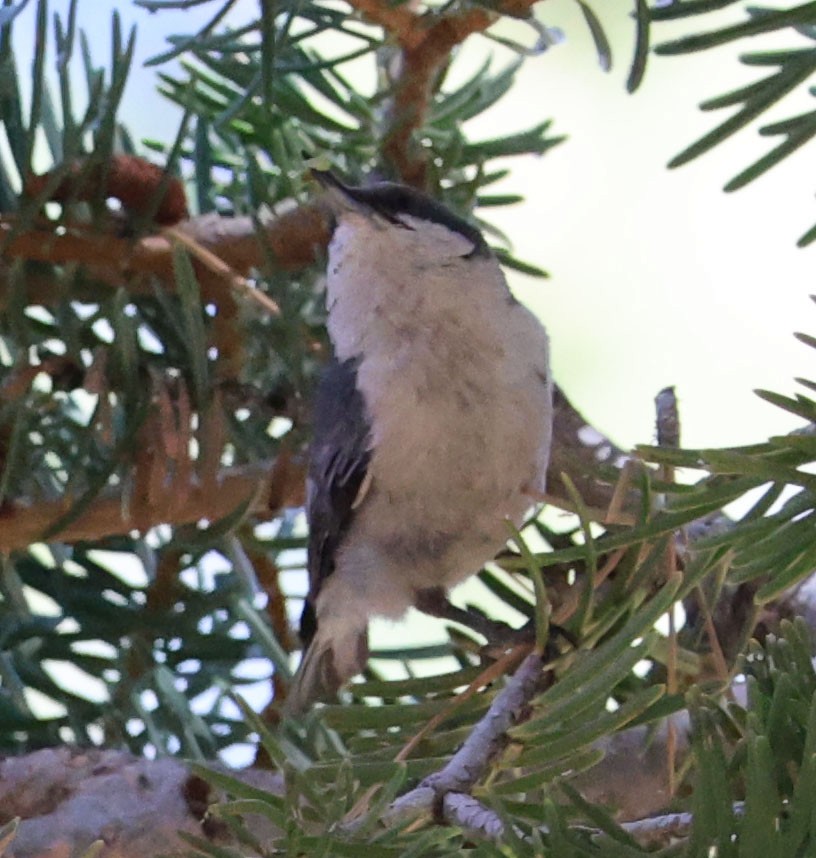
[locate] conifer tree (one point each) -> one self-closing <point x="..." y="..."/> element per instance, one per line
<point x="160" y="335"/>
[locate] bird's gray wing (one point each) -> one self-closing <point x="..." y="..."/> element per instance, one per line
<point x="340" y="454"/>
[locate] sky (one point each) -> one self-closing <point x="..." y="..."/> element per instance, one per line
<point x="657" y="277"/>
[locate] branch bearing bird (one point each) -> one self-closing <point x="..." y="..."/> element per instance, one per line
<point x="432" y="422"/>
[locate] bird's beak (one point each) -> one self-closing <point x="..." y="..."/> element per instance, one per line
<point x="339" y="197"/>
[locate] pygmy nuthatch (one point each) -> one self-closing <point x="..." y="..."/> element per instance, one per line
<point x="432" y="423"/>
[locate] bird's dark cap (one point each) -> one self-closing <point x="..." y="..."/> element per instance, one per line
<point x="390" y="200"/>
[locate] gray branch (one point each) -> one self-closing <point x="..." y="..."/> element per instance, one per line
<point x="469" y="764"/>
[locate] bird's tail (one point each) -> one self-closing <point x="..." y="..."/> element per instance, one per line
<point x="329" y="661"/>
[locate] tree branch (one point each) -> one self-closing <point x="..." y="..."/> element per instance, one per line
<point x="397" y="20"/>
<point x="469" y="764"/>
<point x="581" y="452"/>
<point x="267" y="486"/>
<point x="293" y="240"/>
<point x="425" y="45"/>
<point x="68" y="799"/>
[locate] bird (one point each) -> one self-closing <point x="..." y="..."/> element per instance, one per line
<point x="431" y="423"/>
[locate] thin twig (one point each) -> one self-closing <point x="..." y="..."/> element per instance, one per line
<point x="665" y="829"/>
<point x="220" y="268"/>
<point x="470" y="763"/>
<point x="498" y="668"/>
<point x="668" y="435"/>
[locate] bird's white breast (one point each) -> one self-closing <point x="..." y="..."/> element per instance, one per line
<point x="455" y="378"/>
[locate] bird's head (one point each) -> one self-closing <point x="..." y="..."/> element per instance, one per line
<point x="403" y="219"/>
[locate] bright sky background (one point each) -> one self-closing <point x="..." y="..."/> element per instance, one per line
<point x="658" y="277"/>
